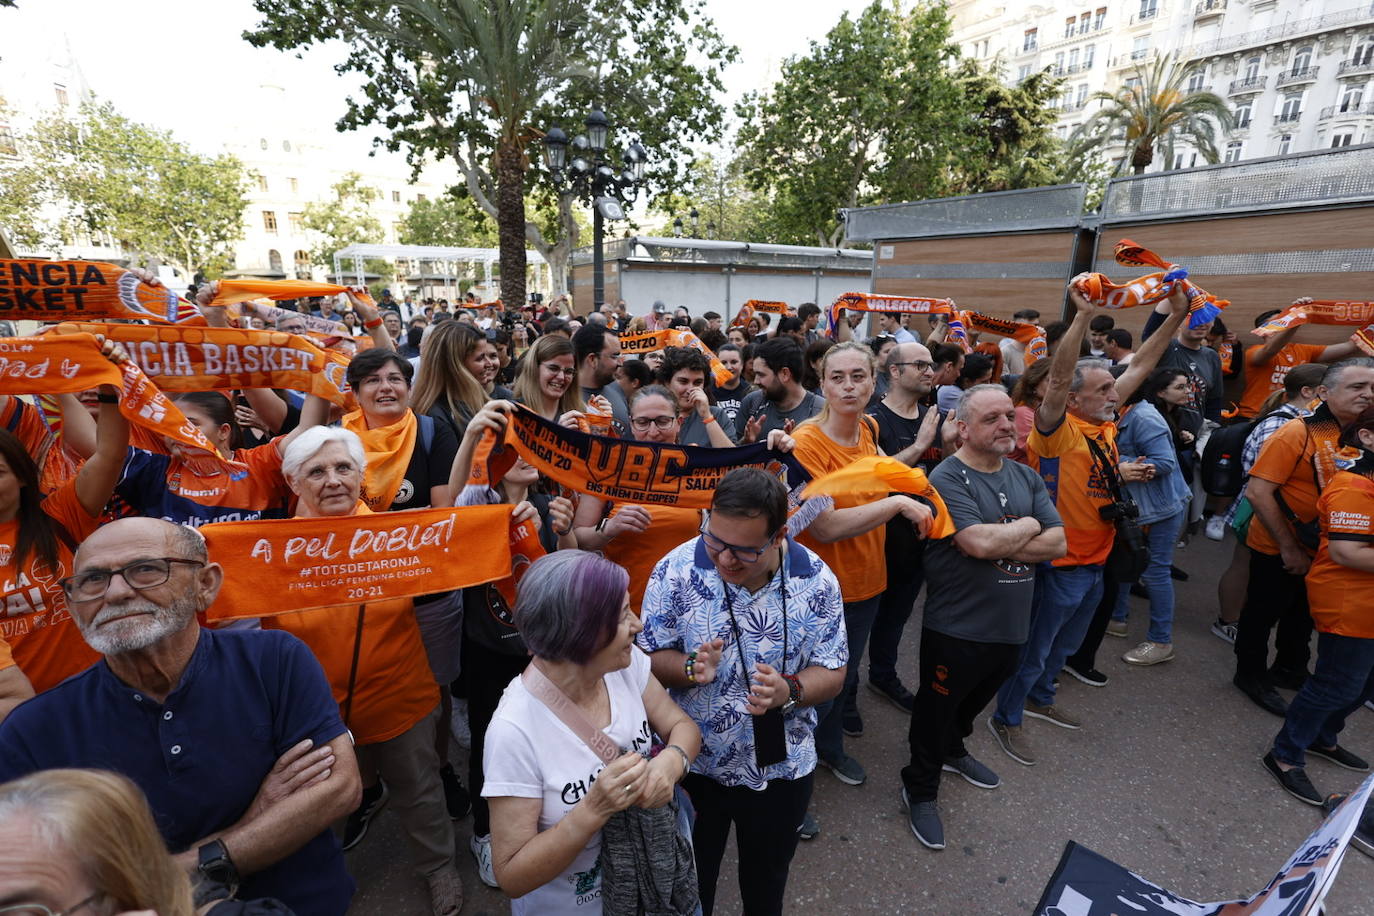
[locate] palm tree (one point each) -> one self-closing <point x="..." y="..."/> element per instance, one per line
<point x="1149" y="116"/>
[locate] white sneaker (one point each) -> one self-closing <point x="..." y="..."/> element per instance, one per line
<point x="1369" y="703"/>
<point x="1216" y="528"/>
<point x="481" y="851"/>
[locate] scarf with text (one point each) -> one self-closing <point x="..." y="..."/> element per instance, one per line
<point x="181" y="358"/>
<point x="271" y="314"/>
<point x="1337" y="312"/>
<point x="388" y="450"/>
<point x="304" y="563"/>
<point x="753" y="306"/>
<point x="83" y="291"/>
<point x="1030" y="335"/>
<point x="649" y="341"/>
<point x="1150" y="289"/>
<point x="873" y="302"/>
<point x="234" y="291"/>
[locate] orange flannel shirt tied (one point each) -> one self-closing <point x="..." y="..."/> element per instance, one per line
<point x="872" y="302"/>
<point x="81" y="290"/>
<point x="649" y="341"/>
<point x="1150" y="289"/>
<point x="1348" y="312"/>
<point x="181" y="358"/>
<point x="301" y="563"/>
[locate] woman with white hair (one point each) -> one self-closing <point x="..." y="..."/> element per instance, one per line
<point x="375" y="661"/>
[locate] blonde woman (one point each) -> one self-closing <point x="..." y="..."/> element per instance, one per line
<point x="547" y="383"/>
<point x="445" y="389"/>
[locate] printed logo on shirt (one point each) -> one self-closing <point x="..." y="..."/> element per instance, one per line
<point x="587" y="884"/>
<point x="406" y="491"/>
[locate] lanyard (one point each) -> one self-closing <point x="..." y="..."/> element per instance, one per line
<point x="734" y="624"/>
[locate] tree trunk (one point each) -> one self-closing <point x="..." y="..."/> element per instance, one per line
<point x="510" y="221"/>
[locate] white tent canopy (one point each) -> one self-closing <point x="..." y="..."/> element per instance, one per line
<point x="350" y="261"/>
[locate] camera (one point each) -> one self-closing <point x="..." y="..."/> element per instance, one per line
<point x="1117" y="509"/>
<point x="536" y="298"/>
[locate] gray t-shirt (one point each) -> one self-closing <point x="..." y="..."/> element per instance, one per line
<point x="983" y="600"/>
<point x="1203" y="367"/>
<point x="756" y="403"/>
<point x="694" y="432"/>
<point x="620" y="410"/>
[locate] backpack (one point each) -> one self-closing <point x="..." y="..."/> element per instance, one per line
<point x="1222" y="473"/>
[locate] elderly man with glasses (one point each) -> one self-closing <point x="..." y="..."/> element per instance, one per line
<point x="746" y="629"/>
<point x="233" y="736"/>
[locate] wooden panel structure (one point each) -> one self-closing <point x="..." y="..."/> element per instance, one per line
<point x="582" y="286"/>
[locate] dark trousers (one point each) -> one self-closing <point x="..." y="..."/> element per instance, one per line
<point x="1341" y="682"/>
<point x="895" y="605"/>
<point x="486" y="674"/>
<point x="765" y="837"/>
<point x="959" y="677"/>
<point x="1273" y="597"/>
<point x="1085" y="659"/>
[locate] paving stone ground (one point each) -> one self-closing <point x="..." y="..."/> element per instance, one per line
<point x="1163" y="778"/>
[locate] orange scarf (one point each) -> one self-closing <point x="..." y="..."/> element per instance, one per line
<point x="1337" y="312"/>
<point x="304" y="563"/>
<point x="388" y="450"/>
<point x="326" y="327"/>
<point x="872" y="302"/>
<point x="182" y="358"/>
<point x="1150" y="289"/>
<point x="1028" y="334"/>
<point x="747" y="310"/>
<point x="231" y="291"/>
<point x="649" y="341"/>
<point x="873" y="477"/>
<point x="83" y="290"/>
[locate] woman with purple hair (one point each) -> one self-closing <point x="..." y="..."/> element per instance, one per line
<point x="550" y="794"/>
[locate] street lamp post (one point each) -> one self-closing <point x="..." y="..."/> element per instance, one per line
<point x="591" y="176"/>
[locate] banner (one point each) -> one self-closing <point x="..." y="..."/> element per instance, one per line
<point x="1337" y="312"/>
<point x="181" y="358"/>
<point x="296" y="564"/>
<point x="231" y="291"/>
<point x="69" y="364"/>
<point x="872" y="302"/>
<point x="1030" y="335"/>
<point x="1087" y="884"/>
<point x="525" y="548"/>
<point x="747" y="310"/>
<point x="649" y="341"/>
<point x="83" y="291"/>
<point x="1150" y="289"/>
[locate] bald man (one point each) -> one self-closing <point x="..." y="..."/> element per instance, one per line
<point x="233" y="736"/>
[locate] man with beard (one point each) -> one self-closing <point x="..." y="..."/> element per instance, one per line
<point x="779" y="401"/>
<point x="233" y="735"/>
<point x="597" y="351"/>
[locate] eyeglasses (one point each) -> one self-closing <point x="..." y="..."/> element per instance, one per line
<point x="141" y="574"/>
<point x="921" y="364"/>
<point x="715" y="545"/>
<point x="559" y="370"/>
<point x="643" y="423"/>
<point x="38" y="909"/>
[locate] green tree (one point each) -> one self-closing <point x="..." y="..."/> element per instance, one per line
<point x="346" y="219"/>
<point x="103" y="172"/>
<point x="1148" y="117"/>
<point x="447" y="220"/>
<point x="727" y="208"/>
<point x="1009" y="141"/>
<point x="478" y="81"/>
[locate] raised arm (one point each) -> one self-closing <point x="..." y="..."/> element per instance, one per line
<point x="96" y="480"/>
<point x="315" y="412"/>
<point x="14" y="689"/>
<point x="492" y="416"/>
<point x="1147" y="357"/>
<point x="370" y="313"/>
<point x="1055" y="404"/>
<point x="78" y="427"/>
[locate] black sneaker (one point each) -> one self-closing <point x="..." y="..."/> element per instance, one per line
<point x="808" y="829"/>
<point x="852" y="723"/>
<point x="894" y="692"/>
<point x="1363" y="837"/>
<point x="1288" y="680"/>
<point x="1294" y="781"/>
<point x="374" y="799"/>
<point x="924" y="818"/>
<point x="456" y="797"/>
<point x="1341" y="758"/>
<point x="1092" y="677"/>
<point x="1263" y="695"/>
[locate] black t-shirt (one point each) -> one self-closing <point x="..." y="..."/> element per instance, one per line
<point x="903" y="547"/>
<point x="730" y="399"/>
<point x="429" y="467"/>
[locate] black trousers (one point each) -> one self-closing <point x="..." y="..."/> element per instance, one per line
<point x="485" y="674"/>
<point x="765" y="837"/>
<point x="1273" y="597"/>
<point x="1085" y="658"/>
<point x="959" y="677"/>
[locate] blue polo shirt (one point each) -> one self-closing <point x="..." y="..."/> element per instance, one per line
<point x="244" y="699"/>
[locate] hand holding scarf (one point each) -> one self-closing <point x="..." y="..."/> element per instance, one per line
<point x="1149" y="289"/>
<point x="872" y="302"/>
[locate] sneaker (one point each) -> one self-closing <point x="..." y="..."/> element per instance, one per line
<point x="1369" y="704"/>
<point x="1288" y="680"/>
<point x="1262" y="695"/>
<point x="1363" y="837"/>
<point x="894" y="692"/>
<point x="847" y="770"/>
<point x="481" y="851"/>
<point x="1224" y="631"/>
<point x="1294" y="781"/>
<point x="1117" y="628"/>
<point x="809" y="828"/>
<point x="852" y="723"/>
<point x="445" y="891"/>
<point x="1092" y="677"/>
<point x="1052" y="714"/>
<point x="1341" y="758"/>
<point x="974" y="772"/>
<point x="1216" y="528"/>
<point x="374" y="799"/>
<point x="456" y="798"/>
<point x="1177" y="574"/>
<point x="1010" y="739"/>
<point x="1149" y="653"/>
<point x="924" y="818"/>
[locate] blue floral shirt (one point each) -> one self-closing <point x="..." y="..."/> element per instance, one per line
<point x="684" y="606"/>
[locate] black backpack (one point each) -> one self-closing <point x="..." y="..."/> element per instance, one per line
<point x="1222" y="473"/>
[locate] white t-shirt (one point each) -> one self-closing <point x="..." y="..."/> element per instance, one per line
<point x="530" y="753"/>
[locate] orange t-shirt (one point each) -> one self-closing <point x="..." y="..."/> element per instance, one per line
<point x="858" y="562"/>
<point x="1291" y="458"/>
<point x="394" y="687"/>
<point x="37" y="623"/>
<point x="639" y="553"/>
<point x="1077" y="485"/>
<point x="56" y="465"/>
<point x="1338" y="596"/>
<point x="1262" y="381"/>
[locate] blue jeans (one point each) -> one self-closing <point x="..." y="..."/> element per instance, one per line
<point x="858" y="621"/>
<point x="1340" y="683"/>
<point x="1065" y="603"/>
<point x="1162" y="538"/>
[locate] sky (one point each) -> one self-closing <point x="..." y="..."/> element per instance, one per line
<point x="182" y="65"/>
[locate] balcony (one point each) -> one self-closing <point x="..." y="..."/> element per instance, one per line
<point x="1294" y="77"/>
<point x="1134" y="59"/>
<point x="1347" y="111"/>
<point x="1208" y="8"/>
<point x="1073" y="105"/>
<point x="1363" y="13"/>
<point x="1358" y="67"/>
<point x="1288" y="117"/>
<point x="1079" y="34"/>
<point x="1149" y="15"/>
<point x="1247" y="85"/>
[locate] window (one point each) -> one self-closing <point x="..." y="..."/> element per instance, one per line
<point x="274" y="261"/>
<point x="262" y="183"/>
<point x="1185" y="160"/>
<point x="1148" y="9"/>
<point x="1059" y="63"/>
<point x="1285" y="144"/>
<point x="1082" y="97"/>
<point x="1088" y="56"/>
<point x="1140" y="47"/>
<point x="302" y="265"/>
<point x="262" y="144"/>
<point x="1195" y="80"/>
<point x="1364" y="52"/>
<point x="269" y="221"/>
<point x="286" y="146"/>
<point x="1028" y="42"/>
<point x="1233" y="151"/>
<point x="1291" y="107"/>
<point x="1345" y="138"/>
<point x="1022" y="72"/>
<point x="1252" y="69"/>
<point x="1073" y="61"/>
<point x="1132" y="82"/>
<point x="1243" y="114"/>
<point x="1351" y="98"/>
<point x="395" y="197"/>
<point x="1084" y="22"/>
<point x="1303" y="59"/>
<point x="296" y="222"/>
<point x="1099" y="18"/>
<point x="7" y="145"/>
<point x="292" y="182"/>
<point x="421" y="198"/>
<point x="60" y="92"/>
<point x="1069" y="25"/>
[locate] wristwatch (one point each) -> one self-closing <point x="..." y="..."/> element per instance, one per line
<point x="215" y="865"/>
<point x="794" y="693"/>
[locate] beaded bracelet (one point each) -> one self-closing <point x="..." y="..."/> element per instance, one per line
<point x="691" y="667"/>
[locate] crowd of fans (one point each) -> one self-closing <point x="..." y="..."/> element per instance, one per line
<point x="657" y="657"/>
